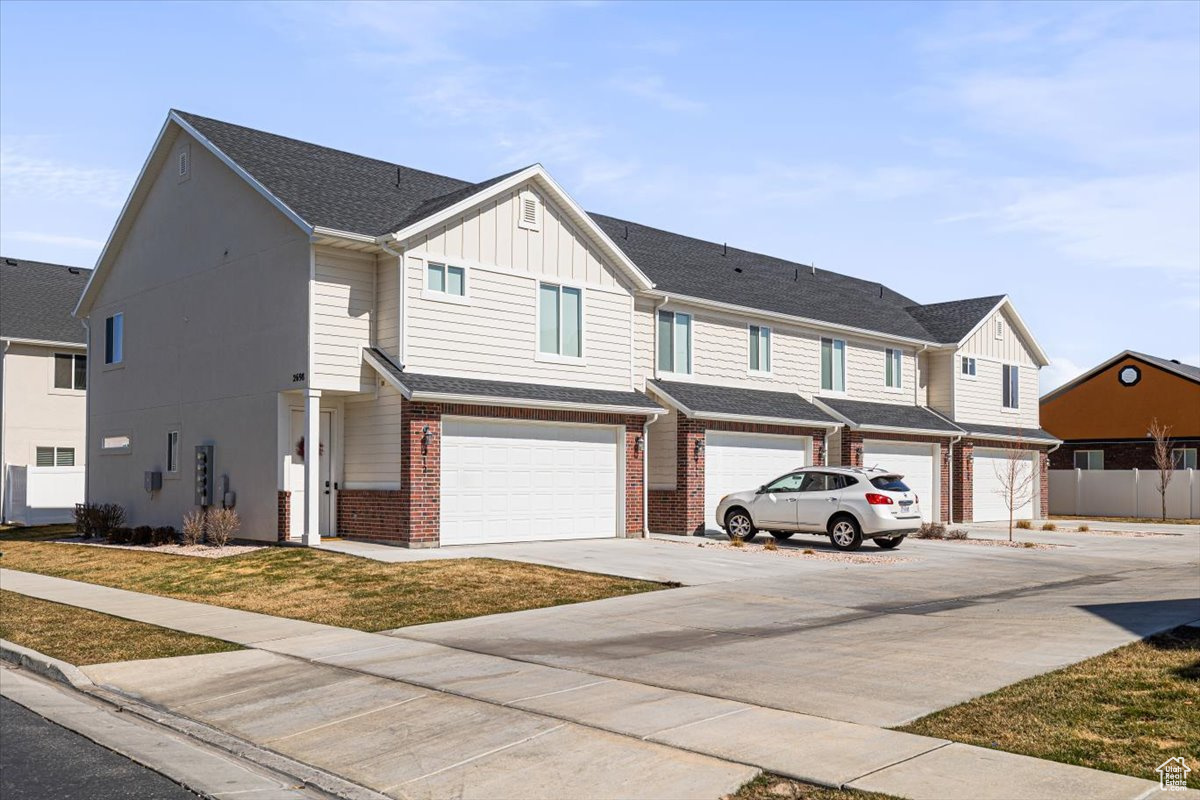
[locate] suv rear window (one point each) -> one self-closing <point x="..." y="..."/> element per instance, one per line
<point x="890" y="483"/>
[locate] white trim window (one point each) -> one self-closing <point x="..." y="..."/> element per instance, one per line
<point x="1012" y="386"/>
<point x="445" y="279"/>
<point x="560" y="320"/>
<point x="114" y="339"/>
<point x="1089" y="459"/>
<point x="760" y="349"/>
<point x="70" y="371"/>
<point x="172" y="453"/>
<point x="833" y="365"/>
<point x="675" y="342"/>
<point x="116" y="444"/>
<point x="1183" y="457"/>
<point x="893" y="369"/>
<point x="968" y="367"/>
<point x="55" y="457"/>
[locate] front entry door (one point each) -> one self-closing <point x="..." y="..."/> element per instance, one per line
<point x="296" y="481"/>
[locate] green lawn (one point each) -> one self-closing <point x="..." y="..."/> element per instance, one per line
<point x="1126" y="711"/>
<point x="774" y="787"/>
<point x="318" y="586"/>
<point x="81" y="637"/>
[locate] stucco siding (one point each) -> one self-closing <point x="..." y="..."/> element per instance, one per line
<point x="1008" y="347"/>
<point x="372" y="442"/>
<point x="213" y="285"/>
<point x="660" y="436"/>
<point x="36" y="414"/>
<point x="343" y="299"/>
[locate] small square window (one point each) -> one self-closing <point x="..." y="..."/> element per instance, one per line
<point x="55" y="457"/>
<point x="1184" y="457"/>
<point x="1089" y="459"/>
<point x="968" y="366"/>
<point x="445" y="279"/>
<point x="70" y="371"/>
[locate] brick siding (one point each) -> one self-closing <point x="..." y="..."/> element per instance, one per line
<point x="681" y="510"/>
<point x="1117" y="455"/>
<point x="369" y="513"/>
<point x="284" y="514"/>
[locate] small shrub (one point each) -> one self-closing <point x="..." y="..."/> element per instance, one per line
<point x="931" y="530"/>
<point x="1084" y="528"/>
<point x="1029" y="544"/>
<point x="736" y="541"/>
<point x="164" y="535"/>
<point x="810" y="552"/>
<point x="957" y="533"/>
<point x="193" y="527"/>
<point x="142" y="535"/>
<point x="770" y="544"/>
<point x="120" y="535"/>
<point x="108" y="517"/>
<point x="1049" y="526"/>
<point x="85" y="520"/>
<point x="1024" y="525"/>
<point x="223" y="524"/>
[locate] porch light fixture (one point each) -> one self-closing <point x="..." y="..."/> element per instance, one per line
<point x="426" y="438"/>
<point x="639" y="444"/>
<point x="699" y="448"/>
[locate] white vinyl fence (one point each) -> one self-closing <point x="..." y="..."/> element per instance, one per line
<point x="1123" y="493"/>
<point x="42" y="495"/>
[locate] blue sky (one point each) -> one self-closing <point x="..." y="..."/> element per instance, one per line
<point x="1051" y="152"/>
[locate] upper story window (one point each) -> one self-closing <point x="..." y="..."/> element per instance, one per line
<point x="172" y="451"/>
<point x="70" y="371"/>
<point x="1012" y="386"/>
<point x="1183" y="457"/>
<point x="893" y="369"/>
<point x="675" y="342"/>
<point x="1089" y="459"/>
<point x="55" y="457"/>
<point x="760" y="348"/>
<point x="114" y="339"/>
<point x="968" y="366"/>
<point x="833" y="365"/>
<point x="445" y="279"/>
<point x="560" y="320"/>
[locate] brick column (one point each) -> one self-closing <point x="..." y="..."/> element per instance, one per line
<point x="1044" y="484"/>
<point x="852" y="448"/>
<point x="420" y="474"/>
<point x="689" y="473"/>
<point x="284" y="515"/>
<point x="964" y="455"/>
<point x="635" y="478"/>
<point x="944" y="504"/>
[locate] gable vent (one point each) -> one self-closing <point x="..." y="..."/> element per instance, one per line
<point x="999" y="326"/>
<point x="530" y="211"/>
<point x="183" y="163"/>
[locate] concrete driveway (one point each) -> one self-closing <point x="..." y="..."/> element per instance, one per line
<point x="872" y="643"/>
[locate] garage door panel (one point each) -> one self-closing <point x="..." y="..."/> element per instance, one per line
<point x="735" y="462"/>
<point x="916" y="462"/>
<point x="507" y="481"/>
<point x="987" y="489"/>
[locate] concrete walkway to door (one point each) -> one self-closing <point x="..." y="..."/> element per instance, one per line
<point x="417" y="719"/>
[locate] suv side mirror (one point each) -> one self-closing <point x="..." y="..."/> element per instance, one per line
<point x="761" y="489"/>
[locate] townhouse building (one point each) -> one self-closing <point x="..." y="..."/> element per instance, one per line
<point x="487" y="361"/>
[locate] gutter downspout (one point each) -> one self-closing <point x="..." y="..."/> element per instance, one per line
<point x="950" y="505"/>
<point x="825" y="450"/>
<point x="646" y="475"/>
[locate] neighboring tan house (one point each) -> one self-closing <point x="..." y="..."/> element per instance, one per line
<point x="1104" y="415"/>
<point x="489" y="362"/>
<point x="43" y="382"/>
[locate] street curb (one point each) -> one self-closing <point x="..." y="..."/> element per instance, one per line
<point x="45" y="666"/>
<point x="62" y="672"/>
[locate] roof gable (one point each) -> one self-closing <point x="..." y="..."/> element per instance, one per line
<point x="36" y="301"/>
<point x="1185" y="371"/>
<point x="954" y="321"/>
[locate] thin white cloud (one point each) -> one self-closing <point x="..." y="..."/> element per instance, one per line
<point x="77" y="242"/>
<point x="1059" y="372"/>
<point x="24" y="175"/>
<point x="653" y="89"/>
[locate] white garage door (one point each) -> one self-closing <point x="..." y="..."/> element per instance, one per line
<point x="916" y="463"/>
<point x="520" y="482"/>
<point x="988" y="494"/>
<point x="735" y="462"/>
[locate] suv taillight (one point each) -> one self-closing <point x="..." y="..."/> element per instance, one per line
<point x="878" y="499"/>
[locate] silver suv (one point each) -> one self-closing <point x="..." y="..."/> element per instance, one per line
<point x="847" y="504"/>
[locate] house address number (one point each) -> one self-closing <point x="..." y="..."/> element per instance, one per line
<point x="297" y="377"/>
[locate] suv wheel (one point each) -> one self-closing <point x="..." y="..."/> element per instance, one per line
<point x="739" y="525"/>
<point x="845" y="533"/>
<point x="889" y="544"/>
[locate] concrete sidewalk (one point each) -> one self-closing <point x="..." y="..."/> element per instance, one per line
<point x="416" y="719"/>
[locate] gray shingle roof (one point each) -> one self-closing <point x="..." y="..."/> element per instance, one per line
<point x="890" y="415"/>
<point x="1028" y="434"/>
<point x="706" y="399"/>
<point x="339" y="190"/>
<point x="950" y="322"/>
<point x="36" y="300"/>
<point x="419" y="383"/>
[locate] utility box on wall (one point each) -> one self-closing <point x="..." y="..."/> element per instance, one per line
<point x="153" y="481"/>
<point x="204" y="474"/>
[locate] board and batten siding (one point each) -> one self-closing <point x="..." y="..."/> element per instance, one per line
<point x="1009" y="347"/>
<point x="661" y="451"/>
<point x="343" y="297"/>
<point x="372" y="441"/>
